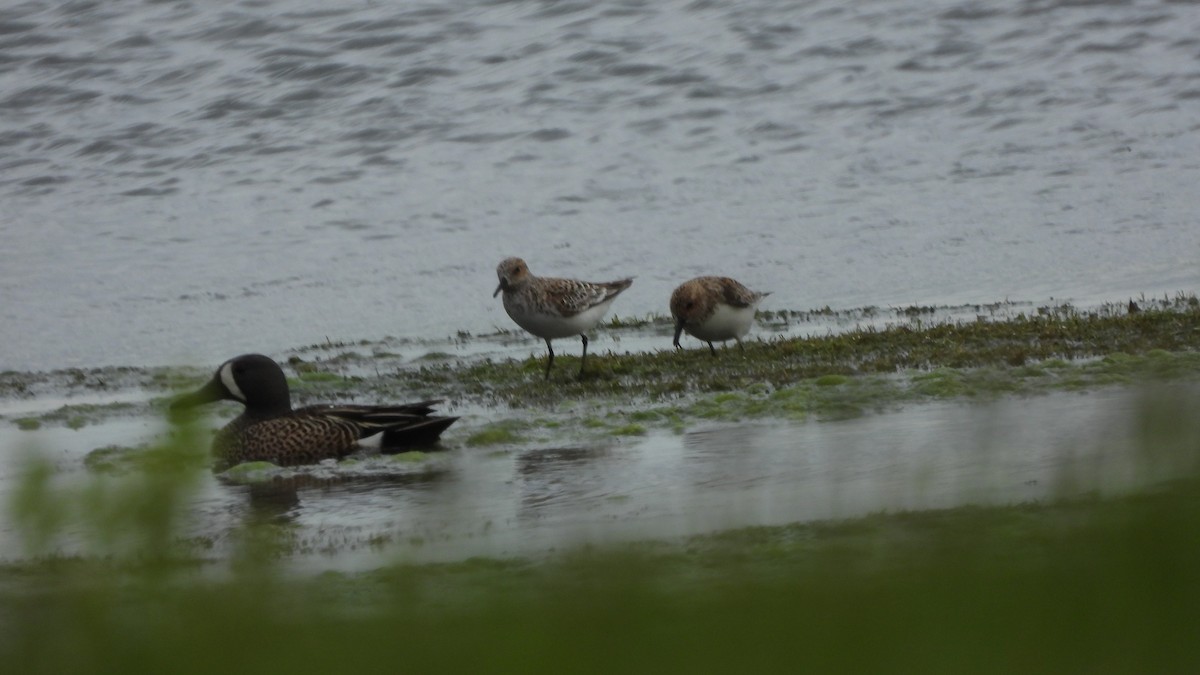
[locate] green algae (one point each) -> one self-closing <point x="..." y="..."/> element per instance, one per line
<point x="941" y="383"/>
<point x="849" y="397"/>
<point x="250" y="472"/>
<point x="120" y="459"/>
<point x="947" y="360"/>
<point x="410" y="457"/>
<point x="496" y="433"/>
<point x="435" y="356"/>
<point x="831" y="380"/>
<point x="629" y="430"/>
<point x="74" y="416"/>
<point x="320" y="376"/>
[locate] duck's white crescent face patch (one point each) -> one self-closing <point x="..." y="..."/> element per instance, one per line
<point x="230" y="383"/>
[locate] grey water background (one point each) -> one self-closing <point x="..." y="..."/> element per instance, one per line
<point x="184" y="181"/>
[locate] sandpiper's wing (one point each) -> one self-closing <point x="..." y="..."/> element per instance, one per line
<point x="733" y="293"/>
<point x="571" y="296"/>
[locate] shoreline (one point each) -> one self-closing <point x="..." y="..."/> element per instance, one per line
<point x="909" y="357"/>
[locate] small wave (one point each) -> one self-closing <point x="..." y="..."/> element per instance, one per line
<point x="593" y="56"/>
<point x="100" y="147"/>
<point x="48" y="96"/>
<point x="185" y="75"/>
<point x="969" y="12"/>
<point x="549" y="134"/>
<point x="482" y="137"/>
<point x="11" y="27"/>
<point x="32" y="40"/>
<point x="134" y="42"/>
<point x="150" y="192"/>
<point x="333" y="74"/>
<point x="44" y="180"/>
<point x="224" y="106"/>
<point x="377" y="135"/>
<point x="562" y="9"/>
<point x="242" y="28"/>
<point x="380" y="24"/>
<point x="373" y="41"/>
<point x="302" y="95"/>
<point x="632" y="69"/>
<point x="414" y="76"/>
<point x="855" y="48"/>
<point x="717" y="91"/>
<point x="1125" y="44"/>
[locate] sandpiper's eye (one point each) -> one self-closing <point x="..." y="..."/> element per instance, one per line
<point x="689" y="305"/>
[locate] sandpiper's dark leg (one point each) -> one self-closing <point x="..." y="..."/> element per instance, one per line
<point x="740" y="345"/>
<point x="583" y="359"/>
<point x="712" y="349"/>
<point x="551" y="361"/>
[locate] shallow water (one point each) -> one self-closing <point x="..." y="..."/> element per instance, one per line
<point x="186" y="181"/>
<point x="528" y="500"/>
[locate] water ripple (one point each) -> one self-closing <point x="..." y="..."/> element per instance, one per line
<point x="551" y="128"/>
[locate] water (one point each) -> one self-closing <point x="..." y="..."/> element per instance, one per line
<point x="184" y="181"/>
<point x="529" y="500"/>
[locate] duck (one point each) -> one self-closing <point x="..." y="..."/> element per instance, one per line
<point x="270" y="430"/>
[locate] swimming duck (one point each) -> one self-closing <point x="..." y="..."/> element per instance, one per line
<point x="271" y="430"/>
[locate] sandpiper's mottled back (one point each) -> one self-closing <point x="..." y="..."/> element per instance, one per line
<point x="554" y="308"/>
<point x="270" y="430"/>
<point x="714" y="309"/>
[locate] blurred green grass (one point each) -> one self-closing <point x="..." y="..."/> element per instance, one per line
<point x="1092" y="585"/>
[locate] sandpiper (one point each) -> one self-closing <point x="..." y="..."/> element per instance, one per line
<point x="714" y="309"/>
<point x="270" y="430"/>
<point x="554" y="308"/>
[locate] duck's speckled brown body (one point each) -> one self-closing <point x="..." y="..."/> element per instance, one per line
<point x="269" y="430"/>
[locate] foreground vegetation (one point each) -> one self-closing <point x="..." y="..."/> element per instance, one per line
<point x="1099" y="584"/>
<point x="1085" y="586"/>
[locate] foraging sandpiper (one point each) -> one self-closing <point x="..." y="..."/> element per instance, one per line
<point x="714" y="309"/>
<point x="554" y="308"/>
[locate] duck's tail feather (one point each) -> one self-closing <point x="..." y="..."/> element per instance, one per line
<point x="424" y="433"/>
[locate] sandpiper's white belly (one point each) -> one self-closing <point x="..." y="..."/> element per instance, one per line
<point x="552" y="325"/>
<point x="726" y="323"/>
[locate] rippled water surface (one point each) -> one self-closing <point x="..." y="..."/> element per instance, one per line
<point x="183" y="181"/>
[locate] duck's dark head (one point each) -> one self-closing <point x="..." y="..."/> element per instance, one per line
<point x="251" y="379"/>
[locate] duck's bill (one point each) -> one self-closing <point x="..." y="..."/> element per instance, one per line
<point x="213" y="391"/>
